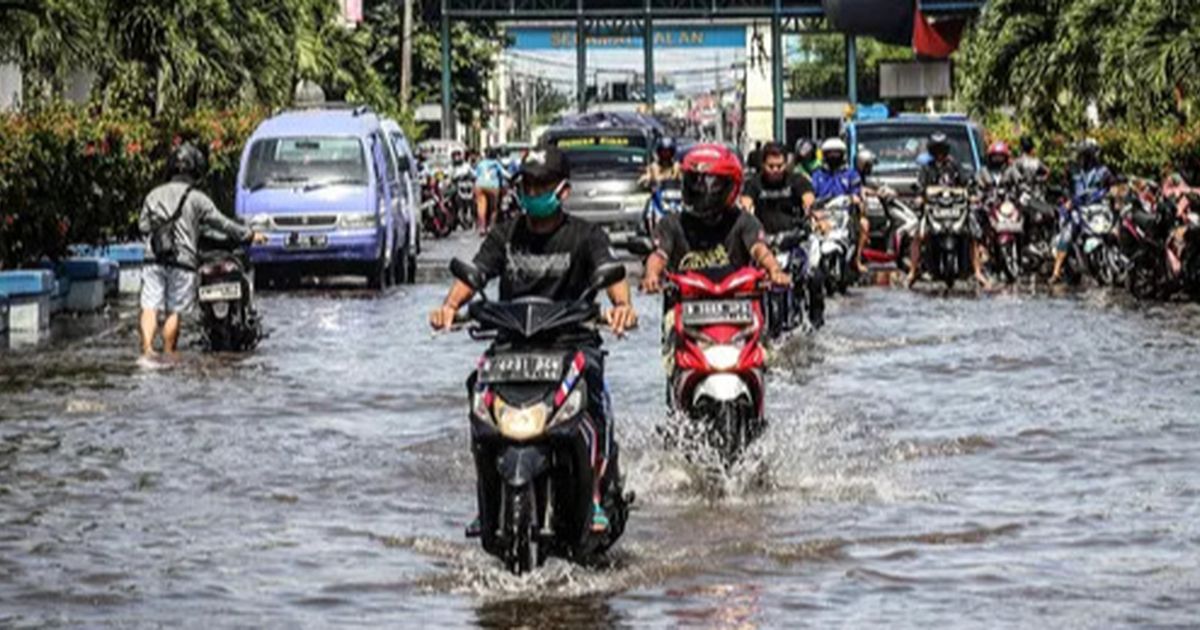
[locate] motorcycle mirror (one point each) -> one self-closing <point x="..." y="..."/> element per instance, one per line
<point x="915" y="188"/>
<point x="469" y="274"/>
<point x="606" y="275"/>
<point x="640" y="246"/>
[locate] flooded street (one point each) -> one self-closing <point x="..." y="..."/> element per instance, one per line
<point x="1001" y="460"/>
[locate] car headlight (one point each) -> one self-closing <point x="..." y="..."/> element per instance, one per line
<point x="260" y="222"/>
<point x="357" y="220"/>
<point x="520" y="423"/>
<point x="570" y="407"/>
<point x="722" y="357"/>
<point x="631" y="203"/>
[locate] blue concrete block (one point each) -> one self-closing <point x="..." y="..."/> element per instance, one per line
<point x="20" y="282"/>
<point x="90" y="268"/>
<point x="122" y="253"/>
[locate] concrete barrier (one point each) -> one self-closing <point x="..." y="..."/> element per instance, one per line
<point x="89" y="278"/>
<point x="130" y="258"/>
<point x="29" y="293"/>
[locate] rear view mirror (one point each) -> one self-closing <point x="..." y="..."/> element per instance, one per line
<point x="640" y="246"/>
<point x="403" y="164"/>
<point x="605" y="276"/>
<point x="468" y="274"/>
<point x="915" y="188"/>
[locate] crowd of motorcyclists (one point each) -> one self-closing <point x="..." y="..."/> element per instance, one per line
<point x="473" y="191"/>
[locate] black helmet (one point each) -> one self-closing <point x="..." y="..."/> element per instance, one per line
<point x="666" y="145"/>
<point x="938" y="144"/>
<point x="1027" y="145"/>
<point x="1088" y="148"/>
<point x="187" y="161"/>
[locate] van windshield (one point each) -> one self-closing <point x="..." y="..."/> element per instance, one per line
<point x="603" y="155"/>
<point x="306" y="161"/>
<point x="897" y="147"/>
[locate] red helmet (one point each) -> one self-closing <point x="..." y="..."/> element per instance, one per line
<point x="712" y="180"/>
<point x="999" y="148"/>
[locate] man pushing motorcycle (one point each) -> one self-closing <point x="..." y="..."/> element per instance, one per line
<point x="549" y="254"/>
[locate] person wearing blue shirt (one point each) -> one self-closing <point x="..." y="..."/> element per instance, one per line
<point x="489" y="175"/>
<point x="836" y="178"/>
<point x="1090" y="179"/>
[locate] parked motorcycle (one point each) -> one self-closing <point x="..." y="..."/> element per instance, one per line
<point x="463" y="199"/>
<point x="835" y="229"/>
<point x="1156" y="271"/>
<point x="531" y="427"/>
<point x="229" y="320"/>
<point x="716" y="355"/>
<point x="947" y="247"/>
<point x="1041" y="228"/>
<point x="436" y="215"/>
<point x="893" y="225"/>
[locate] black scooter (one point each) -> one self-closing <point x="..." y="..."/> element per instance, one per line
<point x="531" y="427"/>
<point x="228" y="317"/>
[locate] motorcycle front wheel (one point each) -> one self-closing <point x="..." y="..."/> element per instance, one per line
<point x="519" y="534"/>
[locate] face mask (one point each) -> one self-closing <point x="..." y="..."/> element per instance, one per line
<point x="543" y="205"/>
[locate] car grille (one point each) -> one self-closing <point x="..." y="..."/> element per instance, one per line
<point x="595" y="206"/>
<point x="302" y="221"/>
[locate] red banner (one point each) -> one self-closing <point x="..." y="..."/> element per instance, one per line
<point x="937" y="40"/>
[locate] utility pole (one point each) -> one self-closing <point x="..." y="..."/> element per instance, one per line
<point x="406" y="31"/>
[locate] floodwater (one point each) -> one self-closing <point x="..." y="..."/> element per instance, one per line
<point x="1005" y="460"/>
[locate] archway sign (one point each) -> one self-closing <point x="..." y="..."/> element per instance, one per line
<point x="617" y="18"/>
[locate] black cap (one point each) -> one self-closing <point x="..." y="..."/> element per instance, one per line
<point x="545" y="165"/>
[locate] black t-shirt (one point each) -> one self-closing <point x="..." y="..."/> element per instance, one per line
<point x="779" y="206"/>
<point x="690" y="244"/>
<point x="558" y="265"/>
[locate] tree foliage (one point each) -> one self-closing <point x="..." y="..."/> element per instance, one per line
<point x="1137" y="61"/>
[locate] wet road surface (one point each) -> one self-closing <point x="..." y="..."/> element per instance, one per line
<point x="1000" y="460"/>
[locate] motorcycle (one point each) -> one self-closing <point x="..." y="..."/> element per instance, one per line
<point x="666" y="199"/>
<point x="463" y="200"/>
<point x="1007" y="231"/>
<point x="715" y="355"/>
<point x="1155" y="270"/>
<point x="229" y="320"/>
<point x="1094" y="249"/>
<point x="947" y="248"/>
<point x="436" y="215"/>
<point x="893" y="224"/>
<point x="1041" y="227"/>
<point x="835" y="229"/>
<point x="804" y="302"/>
<point x="531" y="425"/>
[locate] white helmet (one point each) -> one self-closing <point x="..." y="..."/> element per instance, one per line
<point x="833" y="144"/>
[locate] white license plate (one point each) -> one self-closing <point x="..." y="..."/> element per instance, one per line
<point x="1009" y="226"/>
<point x="708" y="312"/>
<point x="521" y="368"/>
<point x="306" y="241"/>
<point x="221" y="292"/>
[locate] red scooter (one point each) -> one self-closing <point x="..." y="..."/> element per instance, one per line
<point x="716" y="355"/>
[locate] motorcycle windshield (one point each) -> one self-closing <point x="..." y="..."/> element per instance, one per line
<point x="527" y="320"/>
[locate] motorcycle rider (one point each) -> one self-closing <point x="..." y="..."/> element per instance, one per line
<point x="943" y="171"/>
<point x="835" y="178"/>
<point x="711" y="231"/>
<point x="1088" y="175"/>
<point x="664" y="168"/>
<point x="806" y="160"/>
<point x="1031" y="168"/>
<point x="489" y="176"/>
<point x="170" y="220"/>
<point x="550" y="254"/>
<point x="781" y="202"/>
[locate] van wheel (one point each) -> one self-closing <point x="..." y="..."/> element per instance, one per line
<point x="378" y="274"/>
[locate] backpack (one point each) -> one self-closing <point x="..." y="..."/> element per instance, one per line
<point x="162" y="237"/>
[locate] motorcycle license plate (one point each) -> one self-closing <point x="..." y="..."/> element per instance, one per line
<point x="521" y="368"/>
<point x="1009" y="226"/>
<point x="221" y="292"/>
<point x="306" y="241"/>
<point x="707" y="312"/>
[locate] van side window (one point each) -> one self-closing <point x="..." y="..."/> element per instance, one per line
<point x="389" y="156"/>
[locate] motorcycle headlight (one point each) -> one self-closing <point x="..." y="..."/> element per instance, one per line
<point x="570" y="407"/>
<point x="520" y="423"/>
<point x="356" y="220"/>
<point x="260" y="222"/>
<point x="722" y="357"/>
